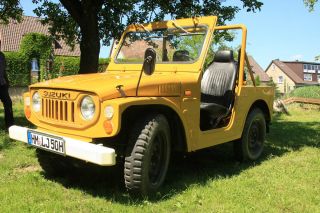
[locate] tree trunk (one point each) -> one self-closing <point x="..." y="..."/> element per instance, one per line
<point x="90" y="49"/>
<point x="90" y="42"/>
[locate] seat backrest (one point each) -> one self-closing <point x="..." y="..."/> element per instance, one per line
<point x="218" y="81"/>
<point x="181" y="55"/>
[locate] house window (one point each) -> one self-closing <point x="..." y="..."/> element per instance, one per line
<point x="309" y="68"/>
<point x="34" y="65"/>
<point x="273" y="67"/>
<point x="307" y="77"/>
<point x="280" y="80"/>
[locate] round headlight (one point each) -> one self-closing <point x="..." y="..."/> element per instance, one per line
<point x="108" y="112"/>
<point x="87" y="108"/>
<point x="36" y="102"/>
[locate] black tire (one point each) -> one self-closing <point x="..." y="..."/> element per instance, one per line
<point x="148" y="155"/>
<point x="250" y="146"/>
<point x="53" y="164"/>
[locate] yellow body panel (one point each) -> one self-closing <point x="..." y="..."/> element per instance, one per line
<point x="176" y="86"/>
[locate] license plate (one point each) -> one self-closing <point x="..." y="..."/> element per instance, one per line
<point x="46" y="142"/>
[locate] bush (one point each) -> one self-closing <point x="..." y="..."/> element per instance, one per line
<point x="64" y="65"/>
<point x="18" y="69"/>
<point x="306" y="92"/>
<point x="103" y="64"/>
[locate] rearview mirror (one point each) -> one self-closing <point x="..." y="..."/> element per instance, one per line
<point x="149" y="61"/>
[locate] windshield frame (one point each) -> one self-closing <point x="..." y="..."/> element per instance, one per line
<point x="208" y="21"/>
<point x="116" y="61"/>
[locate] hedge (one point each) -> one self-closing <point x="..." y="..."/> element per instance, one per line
<point x="18" y="67"/>
<point x="306" y="92"/>
<point x="64" y="65"/>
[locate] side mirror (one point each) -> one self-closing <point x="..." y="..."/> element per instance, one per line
<point x="149" y="63"/>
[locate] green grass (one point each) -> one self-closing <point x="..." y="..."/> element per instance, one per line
<point x="286" y="179"/>
<point x="306" y="92"/>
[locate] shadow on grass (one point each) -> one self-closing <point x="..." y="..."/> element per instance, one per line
<point x="195" y="168"/>
<point x="6" y="143"/>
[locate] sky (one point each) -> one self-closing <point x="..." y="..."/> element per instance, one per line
<point x="283" y="29"/>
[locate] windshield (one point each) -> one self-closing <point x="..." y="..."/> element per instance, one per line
<point x="171" y="45"/>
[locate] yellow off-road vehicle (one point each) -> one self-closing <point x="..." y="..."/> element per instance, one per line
<point x="155" y="98"/>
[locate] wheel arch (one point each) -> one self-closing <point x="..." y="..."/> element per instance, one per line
<point x="134" y="112"/>
<point x="263" y="106"/>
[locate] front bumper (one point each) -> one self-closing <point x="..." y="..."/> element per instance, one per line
<point x="89" y="152"/>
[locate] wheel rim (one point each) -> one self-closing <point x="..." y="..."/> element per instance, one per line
<point x="157" y="160"/>
<point x="255" y="138"/>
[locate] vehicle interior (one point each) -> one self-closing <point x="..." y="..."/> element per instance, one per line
<point x="218" y="88"/>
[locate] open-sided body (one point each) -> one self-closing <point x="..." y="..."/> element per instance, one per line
<point x="125" y="112"/>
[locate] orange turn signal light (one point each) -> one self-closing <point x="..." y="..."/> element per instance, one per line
<point x="27" y="111"/>
<point x="108" y="127"/>
<point x="187" y="92"/>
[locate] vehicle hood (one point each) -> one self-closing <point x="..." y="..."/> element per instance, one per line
<point x="105" y="84"/>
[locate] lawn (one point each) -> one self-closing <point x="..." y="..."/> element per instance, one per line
<point x="286" y="179"/>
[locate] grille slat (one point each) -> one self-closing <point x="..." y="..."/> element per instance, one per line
<point x="59" y="110"/>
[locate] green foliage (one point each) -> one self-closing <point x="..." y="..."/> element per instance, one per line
<point x="103" y="64"/>
<point x="37" y="45"/>
<point x="63" y="66"/>
<point x="66" y="65"/>
<point x="18" y="69"/>
<point x="257" y="80"/>
<point x="10" y="9"/>
<point x="65" y="21"/>
<point x="310" y="4"/>
<point x="277" y="93"/>
<point x="306" y="92"/>
<point x="105" y="20"/>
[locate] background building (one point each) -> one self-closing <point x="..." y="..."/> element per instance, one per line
<point x="289" y="75"/>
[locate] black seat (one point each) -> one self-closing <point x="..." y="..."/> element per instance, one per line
<point x="181" y="55"/>
<point x="217" y="89"/>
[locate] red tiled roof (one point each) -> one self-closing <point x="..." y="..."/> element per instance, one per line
<point x="12" y="34"/>
<point x="257" y="70"/>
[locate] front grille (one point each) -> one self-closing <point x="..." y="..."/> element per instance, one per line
<point x="59" y="110"/>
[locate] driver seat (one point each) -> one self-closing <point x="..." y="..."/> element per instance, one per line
<point x="217" y="89"/>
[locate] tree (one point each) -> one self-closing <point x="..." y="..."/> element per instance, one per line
<point x="310" y="4"/>
<point x="92" y="21"/>
<point x="10" y="9"/>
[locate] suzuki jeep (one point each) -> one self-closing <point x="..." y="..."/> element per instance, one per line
<point x="155" y="98"/>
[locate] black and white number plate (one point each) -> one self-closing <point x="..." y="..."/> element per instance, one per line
<point x="46" y="142"/>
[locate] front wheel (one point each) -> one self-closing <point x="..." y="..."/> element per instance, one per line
<point x="148" y="155"/>
<point x="250" y="146"/>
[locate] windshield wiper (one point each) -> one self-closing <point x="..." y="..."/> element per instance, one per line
<point x="179" y="27"/>
<point x="140" y="25"/>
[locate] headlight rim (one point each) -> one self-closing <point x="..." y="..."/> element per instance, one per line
<point x="36" y="107"/>
<point x="86" y="117"/>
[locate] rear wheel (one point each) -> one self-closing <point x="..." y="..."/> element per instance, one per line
<point x="250" y="146"/>
<point x="53" y="164"/>
<point x="148" y="155"/>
